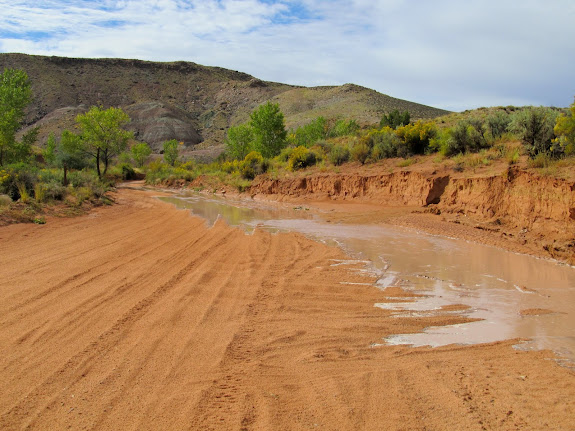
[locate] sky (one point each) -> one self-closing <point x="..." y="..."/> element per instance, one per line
<point x="451" y="54"/>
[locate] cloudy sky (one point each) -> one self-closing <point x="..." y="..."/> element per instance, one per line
<point x="452" y="54"/>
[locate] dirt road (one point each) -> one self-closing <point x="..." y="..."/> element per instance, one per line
<point x="139" y="317"/>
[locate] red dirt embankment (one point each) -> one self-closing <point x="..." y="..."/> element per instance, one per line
<point x="140" y="317"/>
<point x="516" y="209"/>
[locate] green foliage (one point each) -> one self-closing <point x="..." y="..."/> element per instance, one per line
<point x="498" y="124"/>
<point x="565" y="131"/>
<point x="309" y="134"/>
<point x="301" y="158"/>
<point x="39" y="192"/>
<point x="395" y="119"/>
<point x="415" y="138"/>
<point x="253" y="165"/>
<point x="360" y="152"/>
<point x="128" y="172"/>
<point x="468" y="136"/>
<point x="339" y="155"/>
<point x="171" y="151"/>
<point x="15" y="95"/>
<point x="269" y="133"/>
<point x="239" y="141"/>
<point x="385" y="143"/>
<point x="18" y="178"/>
<point x="140" y="153"/>
<point x="49" y="151"/>
<point x="103" y="135"/>
<point x="343" y="128"/>
<point x="534" y="126"/>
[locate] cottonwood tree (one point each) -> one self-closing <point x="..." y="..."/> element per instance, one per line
<point x="103" y="135"/>
<point x="15" y="95"/>
<point x="140" y="152"/>
<point x="239" y="141"/>
<point x="171" y="151"/>
<point x="269" y="132"/>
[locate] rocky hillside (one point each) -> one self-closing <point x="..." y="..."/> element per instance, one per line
<point x="183" y="100"/>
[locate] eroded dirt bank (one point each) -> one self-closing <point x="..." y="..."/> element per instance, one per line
<point x="513" y="209"/>
<point x="139" y="317"/>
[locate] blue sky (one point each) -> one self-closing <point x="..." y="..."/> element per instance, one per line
<point x="450" y="54"/>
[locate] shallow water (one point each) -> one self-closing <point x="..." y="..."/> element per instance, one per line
<point x="497" y="285"/>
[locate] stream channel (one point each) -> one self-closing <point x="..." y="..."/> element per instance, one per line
<point x="516" y="296"/>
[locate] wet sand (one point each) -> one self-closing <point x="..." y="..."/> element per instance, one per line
<point x="139" y="316"/>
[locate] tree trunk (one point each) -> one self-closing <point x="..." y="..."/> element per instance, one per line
<point x="98" y="163"/>
<point x="65" y="181"/>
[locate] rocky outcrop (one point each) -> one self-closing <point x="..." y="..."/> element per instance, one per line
<point x="156" y="123"/>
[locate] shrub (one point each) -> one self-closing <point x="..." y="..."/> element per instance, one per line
<point x="415" y="138"/>
<point x="40" y="192"/>
<point x="339" y="155"/>
<point x="468" y="136"/>
<point x="55" y="190"/>
<point x="385" y="144"/>
<point x="395" y="119"/>
<point x="534" y="126"/>
<point x="253" y="165"/>
<point x="565" y="131"/>
<point x="360" y="152"/>
<point x="541" y="160"/>
<point x="301" y="158"/>
<point x="285" y="154"/>
<point x="128" y="172"/>
<point x="498" y="124"/>
<point x="18" y="178"/>
<point x="5" y="200"/>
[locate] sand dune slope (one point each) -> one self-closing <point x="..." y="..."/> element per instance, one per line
<point x="139" y="317"/>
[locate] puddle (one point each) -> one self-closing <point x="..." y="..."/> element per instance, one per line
<point x="496" y="285"/>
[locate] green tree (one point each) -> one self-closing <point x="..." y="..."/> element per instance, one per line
<point x="15" y="95"/>
<point x="395" y="119"/>
<point x="267" y="123"/>
<point x="140" y="152"/>
<point x="343" y="128"/>
<point x="171" y="151"/>
<point x="239" y="141"/>
<point x="103" y="134"/>
<point x="310" y="133"/>
<point x="49" y="151"/>
<point x="70" y="154"/>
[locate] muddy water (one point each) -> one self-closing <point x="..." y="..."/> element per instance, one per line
<point x="516" y="296"/>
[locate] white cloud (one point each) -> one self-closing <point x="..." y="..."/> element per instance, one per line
<point x="445" y="53"/>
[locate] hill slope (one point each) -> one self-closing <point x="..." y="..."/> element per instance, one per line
<point x="183" y="100"/>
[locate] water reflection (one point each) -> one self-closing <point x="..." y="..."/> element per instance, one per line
<point x="498" y="286"/>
